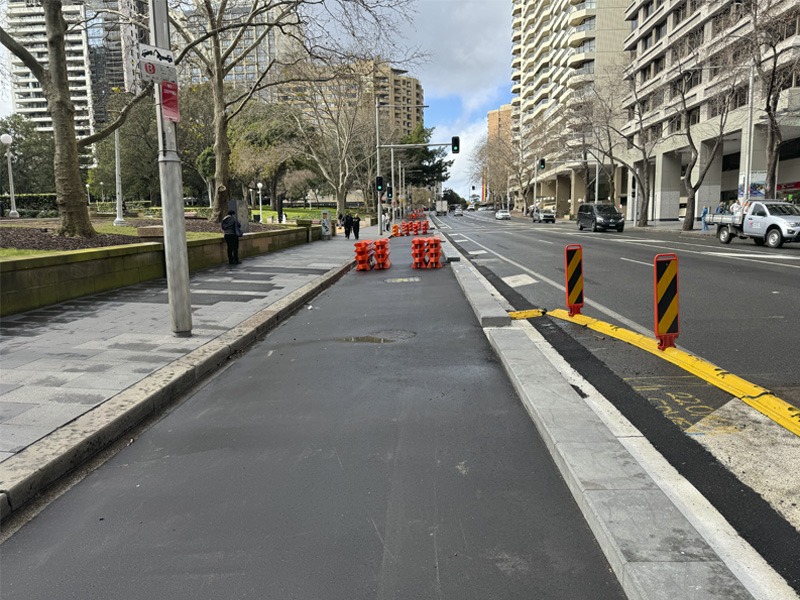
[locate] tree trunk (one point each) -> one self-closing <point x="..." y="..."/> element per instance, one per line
<point x="222" y="148"/>
<point x="688" y="219"/>
<point x="70" y="199"/>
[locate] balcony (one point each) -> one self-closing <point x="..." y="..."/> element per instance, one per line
<point x="581" y="12"/>
<point x="579" y="57"/>
<point x="576" y="38"/>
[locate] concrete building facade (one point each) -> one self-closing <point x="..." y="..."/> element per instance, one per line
<point x="699" y="51"/>
<point x="563" y="50"/>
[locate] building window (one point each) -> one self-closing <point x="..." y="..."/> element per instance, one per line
<point x="661" y="30"/>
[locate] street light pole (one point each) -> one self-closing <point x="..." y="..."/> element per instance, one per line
<point x="120" y="220"/>
<point x="260" y="209"/>
<point x="750" y="132"/>
<point x="88" y="196"/>
<point x="7" y="139"/>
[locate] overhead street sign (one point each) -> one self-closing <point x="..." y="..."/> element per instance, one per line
<point x="157" y="64"/>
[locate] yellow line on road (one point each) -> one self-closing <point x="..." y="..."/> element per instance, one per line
<point x="761" y="399"/>
<point x="526" y="314"/>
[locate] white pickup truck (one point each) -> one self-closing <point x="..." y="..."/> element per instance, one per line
<point x="769" y="222"/>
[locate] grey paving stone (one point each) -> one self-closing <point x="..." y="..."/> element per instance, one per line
<point x="51" y="416"/>
<point x="9" y="410"/>
<point x="14" y="438"/>
<point x="710" y="580"/>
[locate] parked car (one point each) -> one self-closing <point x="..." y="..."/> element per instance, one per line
<point x="543" y="215"/>
<point x="600" y="217"/>
<point x="502" y="215"/>
<point x="458" y="212"/>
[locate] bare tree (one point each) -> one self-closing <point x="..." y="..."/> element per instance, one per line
<point x="769" y="49"/>
<point x="333" y="122"/>
<point x="219" y="37"/>
<point x="53" y="78"/>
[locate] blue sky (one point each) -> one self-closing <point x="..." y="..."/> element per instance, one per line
<point x="468" y="72"/>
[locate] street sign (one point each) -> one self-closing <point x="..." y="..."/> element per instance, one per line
<point x="169" y="101"/>
<point x="157" y="64"/>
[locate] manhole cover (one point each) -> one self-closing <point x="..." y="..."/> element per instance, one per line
<point x="380" y="337"/>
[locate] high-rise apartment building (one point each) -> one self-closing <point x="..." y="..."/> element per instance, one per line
<point x="101" y="55"/>
<point x="403" y="95"/>
<point x="559" y="46"/>
<point x="700" y="51"/>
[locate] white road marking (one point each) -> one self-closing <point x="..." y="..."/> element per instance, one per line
<point x="639" y="262"/>
<point x="478" y="252"/>
<point x="516" y="281"/>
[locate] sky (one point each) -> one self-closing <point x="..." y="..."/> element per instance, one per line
<point x="467" y="73"/>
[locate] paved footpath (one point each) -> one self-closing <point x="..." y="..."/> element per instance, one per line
<point x="75" y="376"/>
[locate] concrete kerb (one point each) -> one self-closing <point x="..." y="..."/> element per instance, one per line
<point x="32" y="470"/>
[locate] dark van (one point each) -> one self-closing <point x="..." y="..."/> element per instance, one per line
<point x="600" y="217"/>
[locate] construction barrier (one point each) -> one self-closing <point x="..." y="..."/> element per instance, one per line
<point x="415" y="227"/>
<point x="382" y="254"/>
<point x="396" y="230"/>
<point x="424" y="225"/>
<point x="573" y="262"/>
<point x="365" y="255"/>
<point x="418" y="253"/>
<point x="433" y="255"/>
<point x="665" y="299"/>
<point x="406" y="226"/>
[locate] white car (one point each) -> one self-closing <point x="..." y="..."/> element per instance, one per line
<point x="502" y="214"/>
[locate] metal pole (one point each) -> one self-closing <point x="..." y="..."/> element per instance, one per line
<point x="391" y="203"/>
<point x="120" y="220"/>
<point x="535" y="180"/>
<point x="260" y="208"/>
<point x="596" y="181"/>
<point x="750" y="127"/>
<point x="378" y="161"/>
<point x="88" y="196"/>
<point x="7" y="139"/>
<point x="169" y="169"/>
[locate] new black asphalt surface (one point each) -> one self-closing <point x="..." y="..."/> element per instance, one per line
<point x="374" y="445"/>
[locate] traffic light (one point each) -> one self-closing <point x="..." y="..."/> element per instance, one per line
<point x="541" y="164"/>
<point x="379" y="184"/>
<point x="455" y="143"/>
<point x="389" y="193"/>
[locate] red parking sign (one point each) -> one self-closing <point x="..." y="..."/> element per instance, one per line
<point x="169" y="101"/>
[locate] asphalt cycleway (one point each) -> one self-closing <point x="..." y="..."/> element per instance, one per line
<point x="375" y="444"/>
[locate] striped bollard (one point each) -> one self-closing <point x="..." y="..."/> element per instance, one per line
<point x="573" y="261"/>
<point x="665" y="296"/>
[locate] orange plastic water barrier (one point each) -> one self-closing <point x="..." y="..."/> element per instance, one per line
<point x="365" y="255"/>
<point x="418" y="253"/>
<point x="382" y="254"/>
<point x="433" y="256"/>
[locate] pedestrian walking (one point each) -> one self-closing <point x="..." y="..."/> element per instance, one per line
<point x="233" y="231"/>
<point x="356" y="225"/>
<point x="703" y="216"/>
<point x="348" y="226"/>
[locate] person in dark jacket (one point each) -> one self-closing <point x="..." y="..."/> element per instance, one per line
<point x="356" y="224"/>
<point x="233" y="231"/>
<point x="348" y="226"/>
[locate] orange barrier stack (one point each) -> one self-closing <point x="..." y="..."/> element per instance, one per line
<point x="365" y="252"/>
<point x="433" y="253"/>
<point x="382" y="254"/>
<point x="424" y="226"/>
<point x="406" y="228"/>
<point x="415" y="228"/>
<point x="418" y="253"/>
<point x="396" y="230"/>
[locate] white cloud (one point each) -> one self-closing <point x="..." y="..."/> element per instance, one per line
<point x="469" y="42"/>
